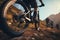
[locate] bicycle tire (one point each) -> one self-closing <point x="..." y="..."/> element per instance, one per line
<point x="4" y="25"/>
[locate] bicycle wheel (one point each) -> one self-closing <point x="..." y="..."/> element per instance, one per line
<point x="11" y="25"/>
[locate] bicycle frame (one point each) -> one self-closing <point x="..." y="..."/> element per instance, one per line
<point x="30" y="11"/>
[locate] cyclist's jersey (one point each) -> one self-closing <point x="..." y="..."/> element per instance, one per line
<point x="31" y="3"/>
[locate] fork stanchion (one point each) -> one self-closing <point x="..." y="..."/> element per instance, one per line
<point x="38" y="22"/>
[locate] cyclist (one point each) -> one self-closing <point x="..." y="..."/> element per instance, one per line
<point x="33" y="4"/>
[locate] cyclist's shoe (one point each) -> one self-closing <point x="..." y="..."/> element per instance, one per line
<point x="37" y="29"/>
<point x="41" y="5"/>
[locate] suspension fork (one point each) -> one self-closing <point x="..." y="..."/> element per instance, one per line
<point x="38" y="19"/>
<point x="37" y="25"/>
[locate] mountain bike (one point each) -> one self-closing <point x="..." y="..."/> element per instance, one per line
<point x="13" y="20"/>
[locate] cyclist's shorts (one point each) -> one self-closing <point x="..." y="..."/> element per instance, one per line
<point x="31" y="3"/>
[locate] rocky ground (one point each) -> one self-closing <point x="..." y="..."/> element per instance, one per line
<point x="45" y="33"/>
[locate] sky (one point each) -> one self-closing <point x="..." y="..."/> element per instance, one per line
<point x="51" y="7"/>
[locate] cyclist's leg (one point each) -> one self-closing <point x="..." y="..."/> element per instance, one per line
<point x="42" y="4"/>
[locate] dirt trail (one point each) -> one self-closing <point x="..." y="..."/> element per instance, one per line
<point x="31" y="34"/>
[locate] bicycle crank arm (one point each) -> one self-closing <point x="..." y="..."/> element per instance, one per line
<point x="28" y="18"/>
